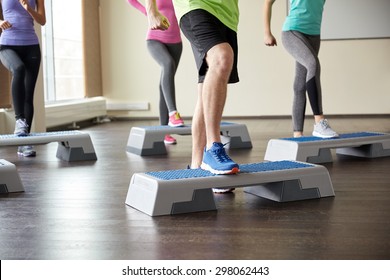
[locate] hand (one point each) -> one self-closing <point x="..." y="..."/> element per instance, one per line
<point x="158" y="22"/>
<point x="269" y="40"/>
<point x="24" y="4"/>
<point x="5" y="24"/>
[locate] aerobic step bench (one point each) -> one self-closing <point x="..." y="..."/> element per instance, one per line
<point x="9" y="178"/>
<point x="149" y="140"/>
<point x="317" y="150"/>
<point x="190" y="190"/>
<point x="72" y="145"/>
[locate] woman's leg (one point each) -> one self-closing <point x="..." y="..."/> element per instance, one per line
<point x="23" y="62"/>
<point x="11" y="60"/>
<point x="168" y="57"/>
<point x="32" y="62"/>
<point x="305" y="50"/>
<point x="299" y="99"/>
<point x="163" y="109"/>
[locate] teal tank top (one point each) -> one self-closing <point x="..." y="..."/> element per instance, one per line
<point x="305" y="16"/>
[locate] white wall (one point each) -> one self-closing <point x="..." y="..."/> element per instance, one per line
<point x="355" y="73"/>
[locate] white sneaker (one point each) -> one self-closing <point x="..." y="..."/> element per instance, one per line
<point x="21" y="128"/>
<point x="223" y="190"/>
<point x="26" y="151"/>
<point x="323" y="130"/>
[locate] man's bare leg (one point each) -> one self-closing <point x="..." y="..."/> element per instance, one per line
<point x="198" y="131"/>
<point x="220" y="61"/>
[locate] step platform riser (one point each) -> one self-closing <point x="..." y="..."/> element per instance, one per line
<point x="72" y="145"/>
<point x="317" y="150"/>
<point x="149" y="140"/>
<point x="155" y="196"/>
<point x="9" y="178"/>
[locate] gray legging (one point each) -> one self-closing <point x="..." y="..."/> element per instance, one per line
<point x="304" y="48"/>
<point x="168" y="57"/>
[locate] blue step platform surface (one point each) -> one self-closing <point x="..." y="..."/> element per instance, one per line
<point x="72" y="145"/>
<point x="317" y="150"/>
<point x="190" y="190"/>
<point x="9" y="178"/>
<point x="149" y="140"/>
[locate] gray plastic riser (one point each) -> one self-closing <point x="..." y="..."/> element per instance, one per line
<point x="146" y="141"/>
<point x="72" y="146"/>
<point x="9" y="178"/>
<point x="319" y="151"/>
<point x="156" y="197"/>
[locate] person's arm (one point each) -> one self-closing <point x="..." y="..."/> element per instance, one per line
<point x="269" y="39"/>
<point x="155" y="18"/>
<point x="39" y="15"/>
<point x="3" y="23"/>
<point x="138" y="6"/>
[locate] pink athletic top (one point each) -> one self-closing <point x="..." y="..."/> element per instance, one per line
<point x="170" y="36"/>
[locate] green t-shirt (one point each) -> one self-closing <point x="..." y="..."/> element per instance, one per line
<point x="225" y="10"/>
<point x="305" y="16"/>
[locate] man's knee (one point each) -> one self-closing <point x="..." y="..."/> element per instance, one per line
<point x="221" y="57"/>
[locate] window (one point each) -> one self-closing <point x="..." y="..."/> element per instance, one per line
<point x="62" y="51"/>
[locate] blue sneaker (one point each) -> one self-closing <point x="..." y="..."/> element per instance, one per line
<point x="217" y="161"/>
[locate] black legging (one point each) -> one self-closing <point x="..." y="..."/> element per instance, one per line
<point x="23" y="62"/>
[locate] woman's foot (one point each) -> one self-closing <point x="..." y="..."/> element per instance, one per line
<point x="223" y="190"/>
<point x="322" y="129"/>
<point x="26" y="151"/>
<point x="21" y="127"/>
<point x="298" y="134"/>
<point x="175" y="120"/>
<point x="168" y="139"/>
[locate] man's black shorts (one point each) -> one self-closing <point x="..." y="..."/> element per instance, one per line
<point x="205" y="31"/>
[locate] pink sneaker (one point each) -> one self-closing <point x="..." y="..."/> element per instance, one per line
<point x="175" y="120"/>
<point x="168" y="139"/>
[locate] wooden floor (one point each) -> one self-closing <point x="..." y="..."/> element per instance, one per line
<point x="77" y="210"/>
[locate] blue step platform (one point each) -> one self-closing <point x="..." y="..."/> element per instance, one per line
<point x="72" y="145"/>
<point x="9" y="178"/>
<point x="317" y="150"/>
<point x="149" y="140"/>
<point x="190" y="190"/>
